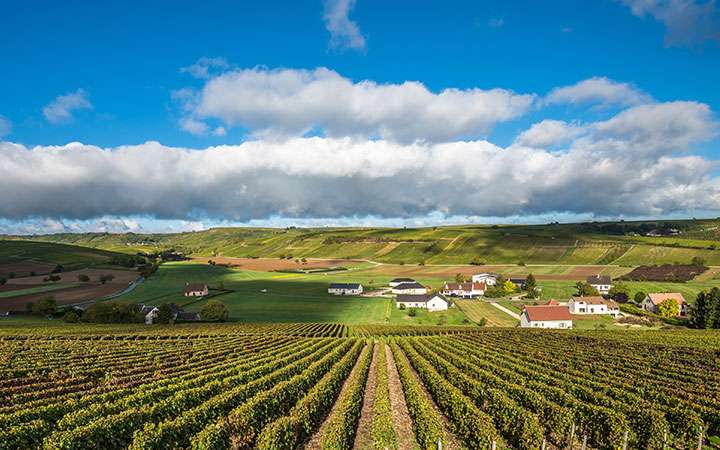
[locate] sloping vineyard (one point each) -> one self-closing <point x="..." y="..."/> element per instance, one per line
<point x="311" y="386"/>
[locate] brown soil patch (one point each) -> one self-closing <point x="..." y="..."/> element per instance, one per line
<point x="121" y="277"/>
<point x="270" y="264"/>
<point x="315" y="440"/>
<point x="363" y="434"/>
<point x="24" y="268"/>
<point x="451" y="441"/>
<point x="62" y="296"/>
<point x="400" y="414"/>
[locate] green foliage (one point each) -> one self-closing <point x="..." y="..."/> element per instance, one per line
<point x="104" y="278"/>
<point x="639" y="297"/>
<point x="45" y="307"/>
<point x="84" y="278"/>
<point x="382" y="428"/>
<point x="214" y="311"/>
<point x="620" y="292"/>
<point x="412" y="312"/>
<point x="509" y="288"/>
<point x="3" y="281"/>
<point x="583" y="289"/>
<point x="698" y="261"/>
<point x="112" y="312"/>
<point x="668" y="308"/>
<point x="165" y="314"/>
<point x="71" y="317"/>
<point x="706" y="311"/>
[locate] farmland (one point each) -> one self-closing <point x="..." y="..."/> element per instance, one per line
<point x="332" y="386"/>
<point x="619" y="243"/>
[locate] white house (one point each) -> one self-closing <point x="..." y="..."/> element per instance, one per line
<point x="651" y="302"/>
<point x="196" y="290"/>
<point x="432" y="303"/>
<point x="593" y="305"/>
<point x="394" y="282"/>
<point x="413" y="288"/>
<point x="602" y="283"/>
<point x="465" y="290"/>
<point x="345" y="289"/>
<point x="546" y="316"/>
<point x="490" y="279"/>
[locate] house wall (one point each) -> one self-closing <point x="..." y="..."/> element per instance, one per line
<point x="549" y="324"/>
<point x="437" y="304"/>
<point x="418" y="291"/>
<point x="411" y="304"/>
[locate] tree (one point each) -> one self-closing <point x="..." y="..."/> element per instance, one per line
<point x="698" y="261"/>
<point x="509" y="287"/>
<point x="84" y="278"/>
<point x="112" y="312"/>
<point x="214" y="311"/>
<point x="585" y="290"/>
<point x="620" y="293"/>
<point x="57" y="269"/>
<point x="104" y="278"/>
<point x="412" y="312"/>
<point x="71" y="317"/>
<point x="45" y="307"/>
<point x="706" y="311"/>
<point x="3" y="281"/>
<point x="639" y="296"/>
<point x="459" y="278"/>
<point x="165" y="314"/>
<point x="53" y="278"/>
<point x="530" y="286"/>
<point x="668" y="308"/>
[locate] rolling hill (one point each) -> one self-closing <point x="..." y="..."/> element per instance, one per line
<point x="604" y="243"/>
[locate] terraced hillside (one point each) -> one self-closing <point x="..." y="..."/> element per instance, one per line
<point x="326" y="386"/>
<point x="621" y="243"/>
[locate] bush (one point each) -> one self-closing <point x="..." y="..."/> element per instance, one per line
<point x="53" y="278"/>
<point x="639" y="296"/>
<point x="3" y="281"/>
<point x="112" y="312"/>
<point x="104" y="278"/>
<point x="482" y="322"/>
<point x="412" y="312"/>
<point x="215" y="311"/>
<point x="84" y="278"/>
<point x="401" y="307"/>
<point x="44" y="307"/>
<point x="165" y="314"/>
<point x="71" y="317"/>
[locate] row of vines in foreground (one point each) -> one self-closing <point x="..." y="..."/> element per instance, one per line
<point x="291" y="386"/>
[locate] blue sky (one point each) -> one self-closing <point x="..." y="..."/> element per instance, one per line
<point x="109" y="76"/>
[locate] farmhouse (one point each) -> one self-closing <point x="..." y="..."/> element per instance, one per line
<point x="394" y="282"/>
<point x="593" y="305"/>
<point x="465" y="290"/>
<point x="490" y="279"/>
<point x="652" y="302"/>
<point x="546" y="316"/>
<point x="345" y="289"/>
<point x="602" y="283"/>
<point x="151" y="313"/>
<point x="413" y="288"/>
<point x="434" y="302"/>
<point x="196" y="290"/>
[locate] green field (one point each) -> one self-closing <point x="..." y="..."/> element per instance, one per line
<point x="70" y="256"/>
<point x="571" y="244"/>
<point x="479" y="309"/>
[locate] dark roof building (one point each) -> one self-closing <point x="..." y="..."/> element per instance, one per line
<point x="346" y="286"/>
<point x="402" y="280"/>
<point x="599" y="280"/>
<point x="411" y="285"/>
<point x="422" y="298"/>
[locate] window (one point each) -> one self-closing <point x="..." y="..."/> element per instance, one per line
<point x="582" y="310"/>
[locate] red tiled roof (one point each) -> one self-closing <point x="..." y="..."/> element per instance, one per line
<point x="659" y="298"/>
<point x="195" y="287"/>
<point x="552" y="302"/>
<point x="547" y="312"/>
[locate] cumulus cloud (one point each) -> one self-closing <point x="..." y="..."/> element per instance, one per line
<point x="204" y="67"/>
<point x="636" y="163"/>
<point x="291" y="102"/>
<point x="344" y="33"/>
<point x="687" y="22"/>
<point x="61" y="109"/>
<point x="549" y="133"/>
<point x="599" y="90"/>
<point x="5" y="126"/>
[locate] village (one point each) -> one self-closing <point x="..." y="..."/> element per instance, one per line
<point x="551" y="314"/>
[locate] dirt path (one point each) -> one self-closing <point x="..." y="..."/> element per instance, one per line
<point x="363" y="434"/>
<point x="314" y="442"/>
<point x="400" y="413"/>
<point x="451" y="441"/>
<point x="505" y="310"/>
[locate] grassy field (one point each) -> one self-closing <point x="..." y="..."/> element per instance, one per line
<point x="70" y="256"/>
<point x="476" y="310"/>
<point x="569" y="244"/>
<point x="35" y="290"/>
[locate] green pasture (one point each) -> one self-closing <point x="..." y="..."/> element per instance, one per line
<point x="37" y="289"/>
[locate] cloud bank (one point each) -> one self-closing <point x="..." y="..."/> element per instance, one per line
<point x="687" y="22"/>
<point x="289" y="102"/>
<point x="638" y="162"/>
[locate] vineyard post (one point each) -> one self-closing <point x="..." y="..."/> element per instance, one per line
<point x="665" y="440"/>
<point x="544" y="443"/>
<point x="572" y="436"/>
<point x="494" y="445"/>
<point x="625" y="440"/>
<point x="439" y="444"/>
<point x="584" y="445"/>
<point x="700" y="439"/>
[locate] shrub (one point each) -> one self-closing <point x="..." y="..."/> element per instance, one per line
<point x="104" y="278"/>
<point x="3" y="281"/>
<point x="215" y="311"/>
<point x="165" y="313"/>
<point x="412" y="312"/>
<point x="112" y="312"/>
<point x="482" y="322"/>
<point x="84" y="278"/>
<point x="45" y="307"/>
<point x="71" y="317"/>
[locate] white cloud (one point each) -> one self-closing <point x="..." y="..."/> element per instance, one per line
<point x="629" y="165"/>
<point x="598" y="90"/>
<point x="219" y="131"/>
<point x="344" y="33"/>
<point x="290" y="102"/>
<point x="548" y="133"/>
<point x="193" y="126"/>
<point x="61" y="109"/>
<point x="686" y="21"/>
<point x="204" y="66"/>
<point x="5" y="126"/>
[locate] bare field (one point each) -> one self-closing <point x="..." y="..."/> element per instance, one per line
<point x="121" y="276"/>
<point x="24" y="268"/>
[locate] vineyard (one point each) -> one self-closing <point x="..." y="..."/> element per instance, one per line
<point x="329" y="386"/>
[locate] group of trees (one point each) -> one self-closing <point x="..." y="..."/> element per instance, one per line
<point x="706" y="312"/>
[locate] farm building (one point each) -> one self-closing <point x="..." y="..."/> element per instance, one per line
<point x="651" y="302"/>
<point x="602" y="283"/>
<point x="593" y="305"/>
<point x="465" y="290"/>
<point x="490" y="279"/>
<point x="395" y="281"/>
<point x="519" y="282"/>
<point x="151" y="312"/>
<point x="413" y="288"/>
<point x="546" y="316"/>
<point x="345" y="289"/>
<point x="196" y="290"/>
<point x="434" y="302"/>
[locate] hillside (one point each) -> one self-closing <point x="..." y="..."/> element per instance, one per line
<point x="620" y="243"/>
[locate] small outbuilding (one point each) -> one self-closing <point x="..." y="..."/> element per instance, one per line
<point x="410" y="288"/>
<point x="196" y="290"/>
<point x="435" y="302"/>
<point x="345" y="289"/>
